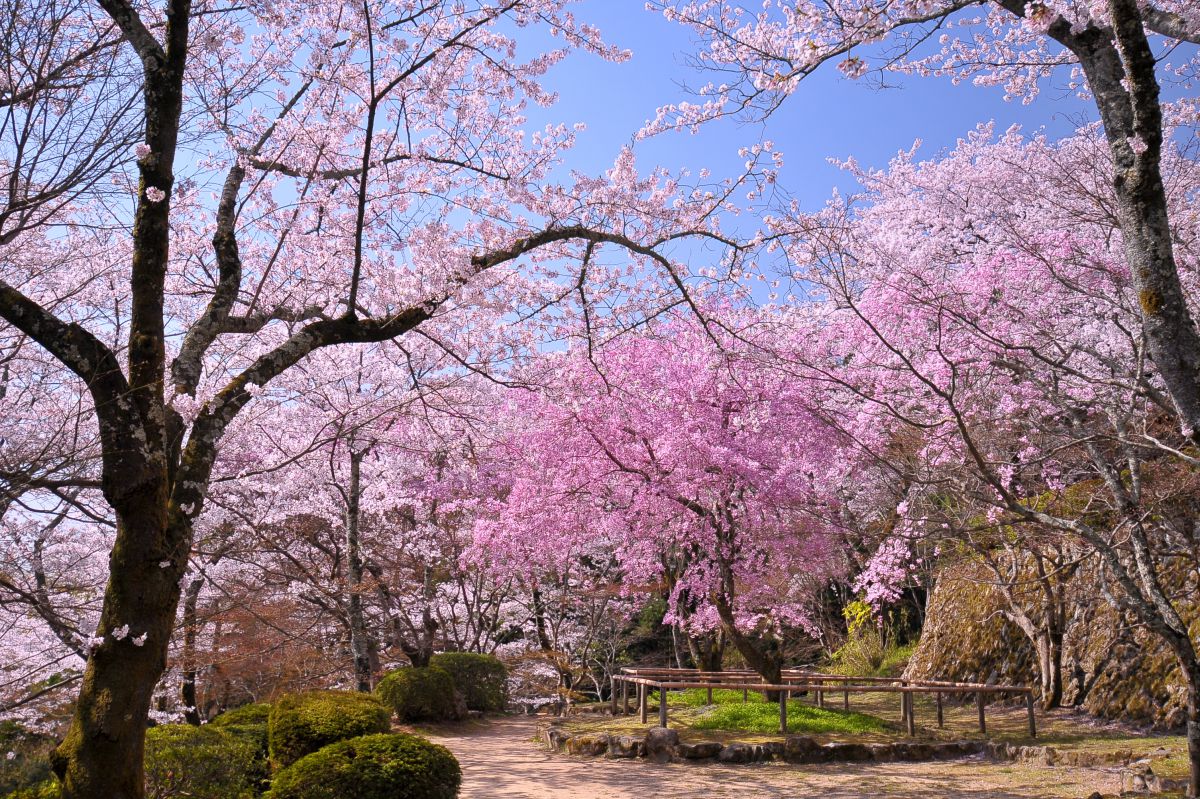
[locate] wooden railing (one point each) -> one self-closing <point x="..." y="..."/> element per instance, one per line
<point x="818" y="684"/>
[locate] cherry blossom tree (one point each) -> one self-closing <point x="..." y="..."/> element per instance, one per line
<point x="983" y="303"/>
<point x="352" y="174"/>
<point x="763" y="55"/>
<point x="667" y="443"/>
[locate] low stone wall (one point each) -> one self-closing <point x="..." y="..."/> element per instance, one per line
<point x="663" y="745"/>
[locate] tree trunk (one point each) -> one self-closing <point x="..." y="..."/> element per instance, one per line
<point x="360" y="638"/>
<point x="187" y="691"/>
<point x="1193" y="732"/>
<point x="1052" y="679"/>
<point x="707" y="651"/>
<point x="101" y="757"/>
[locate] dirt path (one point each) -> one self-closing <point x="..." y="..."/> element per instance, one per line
<point x="500" y="759"/>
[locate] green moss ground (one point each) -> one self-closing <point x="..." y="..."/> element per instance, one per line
<point x="876" y="717"/>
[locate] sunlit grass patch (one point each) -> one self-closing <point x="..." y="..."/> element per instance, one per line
<point x="762" y="716"/>
<point x="698" y="697"/>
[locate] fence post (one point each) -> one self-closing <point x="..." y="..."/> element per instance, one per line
<point x="662" y="706"/>
<point x="820" y="694"/>
<point x="911" y="723"/>
<point x="782" y="714"/>
<point x="846" y="699"/>
<point x="624" y="697"/>
<point x="710" y="694"/>
<point x="643" y="700"/>
<point x="612" y="694"/>
<point x="982" y="720"/>
<point x="1029" y="708"/>
<point x="745" y="695"/>
<point x="941" y="721"/>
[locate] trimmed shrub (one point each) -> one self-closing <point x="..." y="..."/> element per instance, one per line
<point x="420" y="693"/>
<point x="246" y="715"/>
<point x="202" y="762"/>
<point x="392" y="766"/>
<point x="303" y="723"/>
<point x="481" y="679"/>
<point x="251" y="724"/>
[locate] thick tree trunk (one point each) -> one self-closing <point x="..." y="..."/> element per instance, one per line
<point x="1052" y="690"/>
<point x="101" y="757"/>
<point x="1049" y="650"/>
<point x="707" y="651"/>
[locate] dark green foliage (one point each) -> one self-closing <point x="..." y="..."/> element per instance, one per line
<point x="201" y="762"/>
<point x="303" y="723"/>
<point x="246" y="715"/>
<point x="31" y="757"/>
<point x="424" y="693"/>
<point x="46" y="789"/>
<point x="398" y="766"/>
<point x="481" y="679"/>
<point x="250" y="723"/>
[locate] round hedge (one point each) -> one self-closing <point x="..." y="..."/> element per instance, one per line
<point x="420" y="693"/>
<point x="250" y="723"/>
<point x="303" y="723"/>
<point x="393" y="766"/>
<point x="481" y="679"/>
<point x="244" y="715"/>
<point x="202" y="762"/>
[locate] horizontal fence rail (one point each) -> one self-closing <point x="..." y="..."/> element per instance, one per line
<point x="646" y="680"/>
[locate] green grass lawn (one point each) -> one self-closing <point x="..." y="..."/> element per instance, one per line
<point x="760" y="717"/>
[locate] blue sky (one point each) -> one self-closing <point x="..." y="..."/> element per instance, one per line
<point x="829" y="116"/>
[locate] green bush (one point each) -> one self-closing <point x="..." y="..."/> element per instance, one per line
<point x="30" y="762"/>
<point x="481" y="679"/>
<point x="394" y="766"/>
<point x="244" y="716"/>
<point x="46" y="789"/>
<point x="303" y="723"/>
<point x="201" y="762"/>
<point x="251" y="724"/>
<point x="424" y="693"/>
<point x="870" y="649"/>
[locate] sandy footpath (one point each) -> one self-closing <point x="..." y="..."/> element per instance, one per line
<point x="500" y="759"/>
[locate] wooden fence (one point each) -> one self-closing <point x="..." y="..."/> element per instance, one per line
<point x="645" y="680"/>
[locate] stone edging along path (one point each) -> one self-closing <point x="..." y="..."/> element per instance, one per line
<point x="662" y="745"/>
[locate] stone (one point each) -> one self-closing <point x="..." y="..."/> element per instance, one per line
<point x="913" y="751"/>
<point x="771" y="750"/>
<point x="802" y="749"/>
<point x="626" y="746"/>
<point x="738" y="753"/>
<point x="591" y="745"/>
<point x="846" y="753"/>
<point x="1139" y="778"/>
<point x="882" y="753"/>
<point x="701" y="750"/>
<point x="660" y="744"/>
<point x="555" y="737"/>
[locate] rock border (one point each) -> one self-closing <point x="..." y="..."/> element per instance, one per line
<point x="661" y="745"/>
